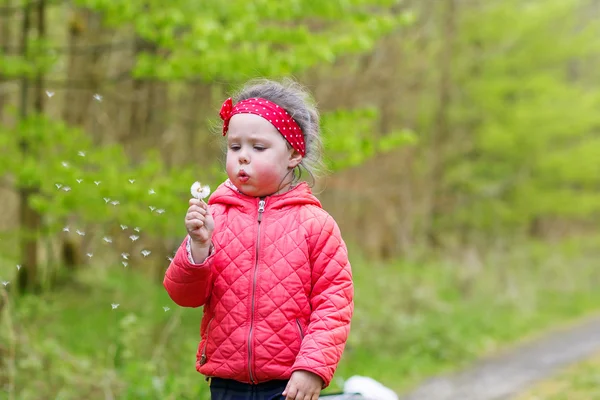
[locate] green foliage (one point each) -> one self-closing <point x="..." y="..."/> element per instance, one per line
<point x="79" y="180"/>
<point x="532" y="121"/>
<point x="235" y="40"/>
<point x="350" y="137"/>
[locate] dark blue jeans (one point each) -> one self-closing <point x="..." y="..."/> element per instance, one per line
<point x="225" y="389"/>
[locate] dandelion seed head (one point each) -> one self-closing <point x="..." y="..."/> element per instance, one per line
<point x="199" y="191"/>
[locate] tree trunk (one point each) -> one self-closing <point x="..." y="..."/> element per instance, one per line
<point x="4" y="45"/>
<point x="30" y="219"/>
<point x="441" y="129"/>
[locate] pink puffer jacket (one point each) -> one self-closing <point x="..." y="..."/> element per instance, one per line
<point x="277" y="290"/>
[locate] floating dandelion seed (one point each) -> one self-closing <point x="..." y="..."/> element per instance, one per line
<point x="123" y="227"/>
<point x="125" y="256"/>
<point x="80" y="233"/>
<point x="90" y="255"/>
<point x="115" y="203"/>
<point x="65" y="164"/>
<point x="136" y="229"/>
<point x="134" y="238"/>
<point x="66" y="189"/>
<point x="58" y="185"/>
<point x="170" y="258"/>
<point x="125" y="264"/>
<point x="166" y="309"/>
<point x="160" y="211"/>
<point x="18" y="267"/>
<point x="151" y="191"/>
<point x="152" y="208"/>
<point x="107" y="239"/>
<point x="114" y="305"/>
<point x="97" y="97"/>
<point x="66" y="229"/>
<point x="200" y="192"/>
<point x="97" y="182"/>
<point x="79" y="180"/>
<point x="106" y="200"/>
<point x="131" y="180"/>
<point x="146" y="253"/>
<point x="49" y="93"/>
<point x="5" y="283"/>
<point x="81" y="153"/>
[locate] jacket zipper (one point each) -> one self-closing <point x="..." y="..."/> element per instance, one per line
<point x="300" y="329"/>
<point x="203" y="356"/>
<point x="261" y="209"/>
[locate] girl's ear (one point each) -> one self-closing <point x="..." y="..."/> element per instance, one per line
<point x="295" y="159"/>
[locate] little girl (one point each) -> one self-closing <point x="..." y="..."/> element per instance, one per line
<point x="264" y="259"/>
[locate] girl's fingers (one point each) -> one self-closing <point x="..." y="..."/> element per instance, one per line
<point x="197" y="209"/>
<point x="195" y="215"/>
<point x="198" y="203"/>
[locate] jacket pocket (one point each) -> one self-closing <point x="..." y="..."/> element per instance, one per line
<point x="203" y="356"/>
<point x="300" y="331"/>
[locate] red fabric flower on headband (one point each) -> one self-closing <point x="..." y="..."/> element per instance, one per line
<point x="276" y="115"/>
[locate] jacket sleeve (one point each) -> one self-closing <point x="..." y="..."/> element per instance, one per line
<point x="332" y="302"/>
<point x="188" y="284"/>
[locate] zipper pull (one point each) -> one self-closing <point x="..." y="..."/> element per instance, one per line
<point x="261" y="209"/>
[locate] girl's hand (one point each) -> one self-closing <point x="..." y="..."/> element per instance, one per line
<point x="199" y="223"/>
<point x="303" y="385"/>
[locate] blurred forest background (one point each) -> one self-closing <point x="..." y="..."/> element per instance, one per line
<point x="462" y="144"/>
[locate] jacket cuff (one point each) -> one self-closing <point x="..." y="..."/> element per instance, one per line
<point x="188" y="248"/>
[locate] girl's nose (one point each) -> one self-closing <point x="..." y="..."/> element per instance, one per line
<point x="243" y="158"/>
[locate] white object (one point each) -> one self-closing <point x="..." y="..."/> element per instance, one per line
<point x="368" y="388"/>
<point x="199" y="191"/>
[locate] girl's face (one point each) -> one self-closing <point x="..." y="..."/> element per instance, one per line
<point x="259" y="161"/>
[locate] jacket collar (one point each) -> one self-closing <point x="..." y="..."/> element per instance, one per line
<point x="227" y="194"/>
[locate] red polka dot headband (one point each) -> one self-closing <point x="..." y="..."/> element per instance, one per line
<point x="270" y="111"/>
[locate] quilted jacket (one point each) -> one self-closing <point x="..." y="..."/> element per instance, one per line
<point x="277" y="288"/>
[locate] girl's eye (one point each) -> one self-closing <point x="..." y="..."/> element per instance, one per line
<point x="259" y="148"/>
<point x="234" y="147"/>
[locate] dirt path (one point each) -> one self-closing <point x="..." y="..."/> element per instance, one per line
<point x="505" y="375"/>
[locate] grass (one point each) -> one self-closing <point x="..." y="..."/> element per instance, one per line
<point x="412" y="320"/>
<point x="580" y="382"/>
